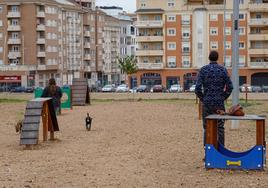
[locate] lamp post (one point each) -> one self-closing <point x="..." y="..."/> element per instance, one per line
<point x="235" y="58"/>
<point x="224" y="34"/>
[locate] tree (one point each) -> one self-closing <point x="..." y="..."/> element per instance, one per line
<point x="128" y="65"/>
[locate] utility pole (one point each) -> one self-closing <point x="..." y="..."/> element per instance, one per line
<point x="224" y="34"/>
<point x="235" y="58"/>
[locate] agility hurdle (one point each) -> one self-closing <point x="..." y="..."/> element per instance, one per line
<point x="35" y="110"/>
<point x="80" y="92"/>
<point x="217" y="156"/>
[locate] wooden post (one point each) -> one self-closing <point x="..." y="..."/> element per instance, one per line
<point x="212" y="132"/>
<point x="45" y="121"/>
<point x="246" y="94"/>
<point x="196" y="99"/>
<point x="200" y="111"/>
<point x="260" y="132"/>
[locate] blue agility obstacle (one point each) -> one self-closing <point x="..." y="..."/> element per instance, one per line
<point x="217" y="156"/>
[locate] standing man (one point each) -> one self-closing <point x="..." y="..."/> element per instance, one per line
<point x="213" y="87"/>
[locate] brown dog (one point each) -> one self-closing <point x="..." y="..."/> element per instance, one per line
<point x="18" y="126"/>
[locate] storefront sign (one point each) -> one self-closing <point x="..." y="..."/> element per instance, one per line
<point x="10" y="78"/>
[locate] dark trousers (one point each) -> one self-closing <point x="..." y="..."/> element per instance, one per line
<point x="208" y="111"/>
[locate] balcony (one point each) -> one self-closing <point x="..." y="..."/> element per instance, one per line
<point x="87" y="33"/>
<point x="13" y="28"/>
<point x="41" y="54"/>
<point x="14" y="55"/>
<point x="149" y="24"/>
<point x="149" y="53"/>
<point x="87" y="57"/>
<point x="41" y="41"/>
<point x="87" y="45"/>
<point x="41" y="27"/>
<point x="258" y="7"/>
<point x="255" y="51"/>
<point x="149" y="38"/>
<point x="87" y="69"/>
<point x="150" y="66"/>
<point x="40" y="14"/>
<point x="14" y="41"/>
<point x="258" y="36"/>
<point x="259" y="64"/>
<point x="13" y="14"/>
<point x="17" y="67"/>
<point x="258" y="22"/>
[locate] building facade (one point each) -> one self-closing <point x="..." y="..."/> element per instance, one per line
<point x="175" y="37"/>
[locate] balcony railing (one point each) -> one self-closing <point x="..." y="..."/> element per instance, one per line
<point x="13" y="14"/>
<point x="13" y="28"/>
<point x="87" y="57"/>
<point x="86" y="45"/>
<point x="87" y="33"/>
<point x="14" y="41"/>
<point x="149" y="52"/>
<point x="149" y="24"/>
<point x="41" y="27"/>
<point x="258" y="7"/>
<point x="257" y="51"/>
<point x="258" y="36"/>
<point x="40" y="14"/>
<point x="150" y="66"/>
<point x="258" y="64"/>
<point x="41" y="54"/>
<point x="258" y="22"/>
<point x="149" y="38"/>
<point x="14" y="55"/>
<point x="41" y="41"/>
<point x="17" y="67"/>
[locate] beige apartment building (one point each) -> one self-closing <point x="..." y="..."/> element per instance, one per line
<point x="39" y="40"/>
<point x="175" y="37"/>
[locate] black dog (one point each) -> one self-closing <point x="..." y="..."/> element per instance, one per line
<point x="88" y="122"/>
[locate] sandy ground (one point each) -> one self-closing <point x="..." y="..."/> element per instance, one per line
<point x="132" y="144"/>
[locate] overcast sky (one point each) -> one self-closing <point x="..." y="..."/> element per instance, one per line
<point x="127" y="5"/>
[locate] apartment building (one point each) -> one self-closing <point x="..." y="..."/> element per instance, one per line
<point x="175" y="37"/>
<point x="39" y="40"/>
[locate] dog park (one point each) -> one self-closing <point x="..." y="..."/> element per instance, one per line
<point x="145" y="140"/>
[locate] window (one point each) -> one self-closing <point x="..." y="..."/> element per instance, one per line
<point x="185" y="33"/>
<point x="171" y="62"/>
<point x="15" y="48"/>
<point x="171" y="46"/>
<point x="241" y="17"/>
<point x="145" y="60"/>
<point x="185" y="19"/>
<point x="228" y="16"/>
<point x="185" y="61"/>
<point x="258" y="15"/>
<point x="241" y="45"/>
<point x="171" y="31"/>
<point x="1" y="62"/>
<point x="228" y="61"/>
<point x="1" y="49"/>
<point x="14" y="22"/>
<point x="228" y="45"/>
<point x="242" y="61"/>
<point x="213" y="45"/>
<point x="171" y="3"/>
<point x="213" y="31"/>
<point x="241" y="2"/>
<point x="1" y="9"/>
<point x="14" y="8"/>
<point x="1" y="35"/>
<point x="171" y="18"/>
<point x="213" y="17"/>
<point x="143" y="5"/>
<point x="185" y="47"/>
<point x="1" y="23"/>
<point x="228" y="31"/>
<point x="242" y="31"/>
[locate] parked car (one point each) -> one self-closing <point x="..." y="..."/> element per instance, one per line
<point x="243" y="88"/>
<point x="143" y="88"/>
<point x="29" y="90"/>
<point x="133" y="90"/>
<point x="265" y="88"/>
<point x="192" y="88"/>
<point x="158" y="89"/>
<point x="122" y="88"/>
<point x="175" y="88"/>
<point x="256" y="89"/>
<point x="108" y="88"/>
<point x="18" y="89"/>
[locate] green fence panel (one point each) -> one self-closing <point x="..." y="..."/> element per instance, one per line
<point x="65" y="100"/>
